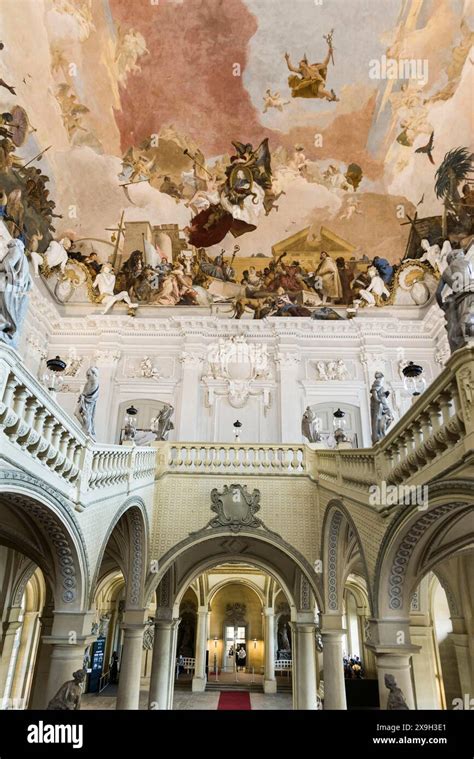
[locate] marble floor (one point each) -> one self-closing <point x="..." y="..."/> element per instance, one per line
<point x="185" y="700"/>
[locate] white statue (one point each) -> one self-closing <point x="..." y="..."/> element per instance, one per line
<point x="36" y="258"/>
<point x="310" y="424"/>
<point x="443" y="258"/>
<point x="87" y="401"/>
<point x="321" y="369"/>
<point x="105" y="282"/>
<point x="376" y="289"/>
<point x="147" y="369"/>
<point x="162" y="424"/>
<point x="56" y="253"/>
<point x="342" y="372"/>
<point x="458" y="307"/>
<point x="436" y="258"/>
<point x="380" y="412"/>
<point x="15" y="284"/>
<point x="331" y="369"/>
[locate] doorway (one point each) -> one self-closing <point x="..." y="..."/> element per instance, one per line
<point x="235" y="641"/>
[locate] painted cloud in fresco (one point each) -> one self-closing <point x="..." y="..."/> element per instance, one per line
<point x="118" y="90"/>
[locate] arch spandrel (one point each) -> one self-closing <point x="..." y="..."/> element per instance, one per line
<point x="197" y="553"/>
<point x="418" y="540"/>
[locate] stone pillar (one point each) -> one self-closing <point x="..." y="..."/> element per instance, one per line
<point x="128" y="694"/>
<point x="366" y="654"/>
<point x="288" y="363"/>
<point x="465" y="665"/>
<point x="41" y="664"/>
<point x="333" y="662"/>
<point x="106" y="415"/>
<point x="70" y="636"/>
<point x="163" y="664"/>
<point x="304" y="664"/>
<point x="25" y="656"/>
<point x="189" y="399"/>
<point x="13" y="624"/>
<point x="395" y="662"/>
<point x="427" y="686"/>
<point x="269" y="683"/>
<point x="200" y="679"/>
<point x="65" y="659"/>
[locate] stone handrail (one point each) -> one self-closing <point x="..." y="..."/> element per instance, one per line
<point x="440" y="422"/>
<point x="436" y="433"/>
<point x="37" y="431"/>
<point x="232" y="458"/>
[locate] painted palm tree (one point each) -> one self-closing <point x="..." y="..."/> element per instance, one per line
<point x="456" y="167"/>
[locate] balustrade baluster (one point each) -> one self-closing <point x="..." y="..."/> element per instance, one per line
<point x="445" y="402"/>
<point x="21" y="395"/>
<point x="30" y="409"/>
<point x="10" y="387"/>
<point x="211" y="455"/>
<point x="425" y="422"/>
<point x="435" y="416"/>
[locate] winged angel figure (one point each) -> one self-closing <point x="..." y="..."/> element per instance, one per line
<point x="129" y="48"/>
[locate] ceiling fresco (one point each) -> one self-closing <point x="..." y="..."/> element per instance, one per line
<point x="253" y="158"/>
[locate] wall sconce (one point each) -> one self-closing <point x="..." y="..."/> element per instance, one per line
<point x="53" y="378"/>
<point x="413" y="379"/>
<point x="254" y="643"/>
<point x="215" y="642"/>
<point x="130" y="427"/>
<point x="237" y="425"/>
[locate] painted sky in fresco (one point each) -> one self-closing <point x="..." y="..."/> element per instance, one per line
<point x="186" y="81"/>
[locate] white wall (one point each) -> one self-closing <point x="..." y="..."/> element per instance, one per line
<point x="206" y="409"/>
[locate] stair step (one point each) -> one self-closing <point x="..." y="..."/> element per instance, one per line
<point x="246" y="688"/>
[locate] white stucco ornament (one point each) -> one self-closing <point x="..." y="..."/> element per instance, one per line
<point x="236" y="363"/>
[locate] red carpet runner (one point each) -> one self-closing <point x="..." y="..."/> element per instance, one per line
<point x="234" y="700"/>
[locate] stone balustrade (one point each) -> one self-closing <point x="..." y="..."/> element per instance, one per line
<point x="34" y="429"/>
<point x="238" y="458"/>
<point x="435" y="435"/>
<point x="439" y="423"/>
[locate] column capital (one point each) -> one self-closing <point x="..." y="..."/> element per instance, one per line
<point x="331" y="622"/>
<point x="134" y="618"/>
<point x="167" y="624"/>
<point x="403" y="653"/>
<point x="14" y="615"/>
<point x="269" y="611"/>
<point x="81" y="641"/>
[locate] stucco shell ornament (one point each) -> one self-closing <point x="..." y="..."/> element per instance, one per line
<point x="411" y="279"/>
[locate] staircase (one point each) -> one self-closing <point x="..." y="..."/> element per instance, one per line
<point x="246" y="687"/>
